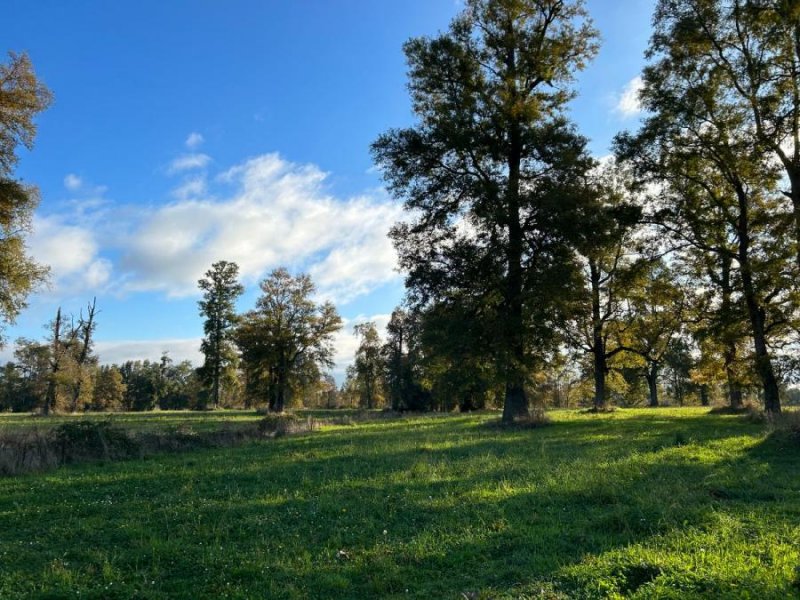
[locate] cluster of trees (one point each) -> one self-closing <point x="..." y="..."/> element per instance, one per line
<point x="521" y="248"/>
<point x="63" y="374"/>
<point x="276" y="354"/>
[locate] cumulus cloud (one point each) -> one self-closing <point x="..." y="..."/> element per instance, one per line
<point x="263" y="213"/>
<point x="189" y="162"/>
<point x="194" y="140"/>
<point x="72" y="253"/>
<point x="628" y="104"/>
<point x="275" y="213"/>
<point x="72" y="182"/>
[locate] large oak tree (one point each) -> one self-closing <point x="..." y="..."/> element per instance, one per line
<point x="484" y="170"/>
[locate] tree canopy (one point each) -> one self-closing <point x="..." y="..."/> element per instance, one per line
<point x="22" y="97"/>
<point x="487" y="169"/>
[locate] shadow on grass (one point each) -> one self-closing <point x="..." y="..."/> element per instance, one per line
<point x="416" y="508"/>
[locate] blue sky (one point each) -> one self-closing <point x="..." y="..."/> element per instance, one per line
<point x="185" y="132"/>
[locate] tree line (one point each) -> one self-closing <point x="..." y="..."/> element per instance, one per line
<point x="272" y="355"/>
<point x="681" y="250"/>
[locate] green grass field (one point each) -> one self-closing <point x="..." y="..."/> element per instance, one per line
<point x="668" y="503"/>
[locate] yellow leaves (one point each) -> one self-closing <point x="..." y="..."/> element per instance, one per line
<point x="22" y="96"/>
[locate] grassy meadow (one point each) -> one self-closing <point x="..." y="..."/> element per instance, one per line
<point x="665" y="503"/>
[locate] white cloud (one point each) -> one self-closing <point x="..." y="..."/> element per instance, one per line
<point x="72" y="182"/>
<point x="192" y="187"/>
<point x="628" y="104"/>
<point x="66" y="248"/>
<point x="188" y="162"/>
<point x="195" y="140"/>
<point x="263" y="213"/>
<point x="278" y="213"/>
<point x="124" y="350"/>
<point x="71" y="252"/>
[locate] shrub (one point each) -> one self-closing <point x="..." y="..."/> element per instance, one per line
<point x="87" y="440"/>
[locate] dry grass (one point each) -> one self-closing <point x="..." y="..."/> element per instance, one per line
<point x="788" y="422"/>
<point x="39" y="449"/>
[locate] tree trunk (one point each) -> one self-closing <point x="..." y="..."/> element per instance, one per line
<point x="50" y="398"/>
<point x="764" y="368"/>
<point x="281" y="395"/>
<point x="735" y="396"/>
<point x="598" y="344"/>
<point x="516" y="404"/>
<point x="272" y="390"/>
<point x="516" y="400"/>
<point x="734" y="391"/>
<point x="216" y="385"/>
<point x="756" y="312"/>
<point x="704" y="400"/>
<point x="651" y="375"/>
<point x="599" y="379"/>
<point x="369" y="393"/>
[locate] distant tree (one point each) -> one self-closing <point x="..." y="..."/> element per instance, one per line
<point x="456" y="361"/>
<point x="656" y="306"/>
<point x="328" y="392"/>
<point x="142" y="380"/>
<point x="109" y="389"/>
<point x="350" y="391"/>
<point x="286" y="330"/>
<point x="72" y="361"/>
<point x="560" y="382"/>
<point x="485" y="169"/>
<point x="305" y="383"/>
<point x="220" y="291"/>
<point x="395" y="353"/>
<point x="24" y="381"/>
<point x="678" y="363"/>
<point x="62" y="340"/>
<point x="83" y="355"/>
<point x="10" y="386"/>
<point x="608" y="258"/>
<point x="22" y="96"/>
<point x="402" y="363"/>
<point x="368" y="363"/>
<point x="179" y="386"/>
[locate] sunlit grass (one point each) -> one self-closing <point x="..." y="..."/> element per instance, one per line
<point x="641" y="503"/>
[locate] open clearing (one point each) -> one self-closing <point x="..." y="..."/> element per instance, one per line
<point x="667" y="503"/>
